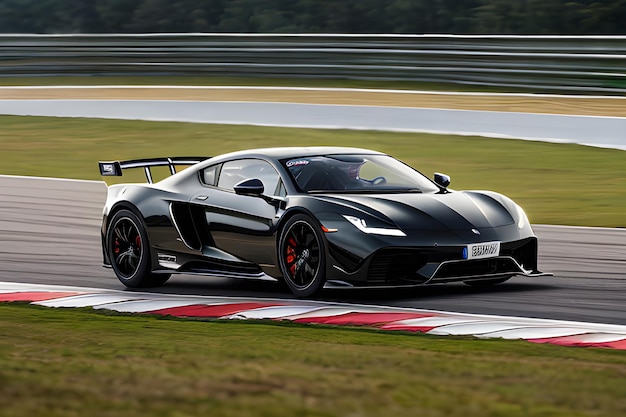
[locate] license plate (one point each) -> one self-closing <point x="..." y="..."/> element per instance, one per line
<point x="482" y="250"/>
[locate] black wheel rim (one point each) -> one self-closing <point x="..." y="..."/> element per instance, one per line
<point x="126" y="248"/>
<point x="301" y="255"/>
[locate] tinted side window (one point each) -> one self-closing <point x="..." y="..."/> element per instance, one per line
<point x="233" y="172"/>
<point x="209" y="175"/>
<point x="281" y="191"/>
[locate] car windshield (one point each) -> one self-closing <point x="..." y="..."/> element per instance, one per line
<point x="356" y="174"/>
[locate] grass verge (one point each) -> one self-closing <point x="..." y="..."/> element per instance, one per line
<point x="68" y="362"/>
<point x="555" y="183"/>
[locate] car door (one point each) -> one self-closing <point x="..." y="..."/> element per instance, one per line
<point x="241" y="225"/>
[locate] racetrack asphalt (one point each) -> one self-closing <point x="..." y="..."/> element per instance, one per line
<point x="50" y="235"/>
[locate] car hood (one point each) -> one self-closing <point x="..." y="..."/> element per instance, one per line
<point x="461" y="210"/>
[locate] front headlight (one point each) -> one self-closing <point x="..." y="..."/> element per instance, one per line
<point x="362" y="226"/>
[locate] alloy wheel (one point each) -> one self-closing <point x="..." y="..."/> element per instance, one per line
<point x="126" y="247"/>
<point x="301" y="255"/>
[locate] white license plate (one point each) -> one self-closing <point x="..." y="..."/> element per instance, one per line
<point x="483" y="250"/>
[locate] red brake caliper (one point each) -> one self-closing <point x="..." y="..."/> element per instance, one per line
<point x="291" y="256"/>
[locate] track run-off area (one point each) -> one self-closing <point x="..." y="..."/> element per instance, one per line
<point x="49" y="230"/>
<point x="588" y="120"/>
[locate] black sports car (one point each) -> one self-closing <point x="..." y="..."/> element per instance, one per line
<point x="315" y="217"/>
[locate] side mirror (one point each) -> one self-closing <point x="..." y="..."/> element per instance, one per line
<point x="442" y="179"/>
<point x="251" y="187"/>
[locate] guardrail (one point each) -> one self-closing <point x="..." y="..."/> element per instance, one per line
<point x="592" y="64"/>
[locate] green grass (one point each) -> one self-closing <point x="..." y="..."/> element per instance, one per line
<point x="68" y="362"/>
<point x="555" y="183"/>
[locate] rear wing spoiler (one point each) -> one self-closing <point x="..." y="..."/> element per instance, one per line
<point x="114" y="168"/>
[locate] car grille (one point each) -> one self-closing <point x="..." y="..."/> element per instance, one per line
<point x="455" y="271"/>
<point x="397" y="266"/>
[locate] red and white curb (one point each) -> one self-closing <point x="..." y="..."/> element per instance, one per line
<point x="565" y="333"/>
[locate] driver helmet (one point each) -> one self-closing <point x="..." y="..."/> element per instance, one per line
<point x="351" y="166"/>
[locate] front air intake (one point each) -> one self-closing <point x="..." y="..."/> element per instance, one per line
<point x="396" y="266"/>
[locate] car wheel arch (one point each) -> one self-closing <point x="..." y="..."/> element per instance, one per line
<point x="287" y="216"/>
<point x="123" y="205"/>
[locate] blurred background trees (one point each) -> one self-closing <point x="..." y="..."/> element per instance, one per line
<point x="541" y="17"/>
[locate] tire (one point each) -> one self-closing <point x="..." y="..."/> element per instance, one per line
<point x="488" y="282"/>
<point x="128" y="249"/>
<point x="302" y="256"/>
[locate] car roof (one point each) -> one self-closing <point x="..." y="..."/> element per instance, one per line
<point x="296" y="152"/>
